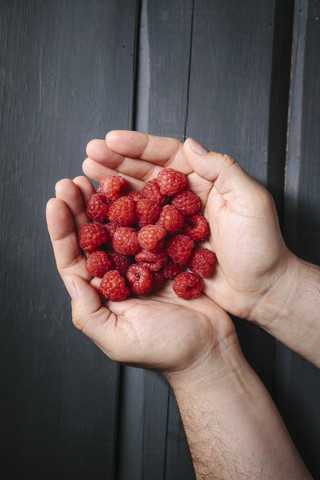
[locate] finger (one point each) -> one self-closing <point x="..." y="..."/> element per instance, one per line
<point x="69" y="193"/>
<point x="154" y="150"/>
<point x="85" y="187"/>
<point x="68" y="255"/>
<point x="97" y="171"/>
<point x="222" y="170"/>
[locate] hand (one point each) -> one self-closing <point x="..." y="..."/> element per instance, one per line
<point x="253" y="260"/>
<point x="160" y="331"/>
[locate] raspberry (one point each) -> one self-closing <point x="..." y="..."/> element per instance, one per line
<point x="135" y="196"/>
<point x="172" y="269"/>
<point x="171" y="219"/>
<point x="171" y="181"/>
<point x="151" y="190"/>
<point x="187" y="285"/>
<point x="125" y="241"/>
<point x="98" y="263"/>
<point x="113" y="286"/>
<point x="113" y="186"/>
<point x="187" y="202"/>
<point x="202" y="262"/>
<point x="122" y="212"/>
<point x="140" y="279"/>
<point x="158" y="279"/>
<point x="91" y="236"/>
<point x="147" y="212"/>
<point x="151" y="237"/>
<point x="121" y="262"/>
<point x="111" y="228"/>
<point x="152" y="261"/>
<point x="97" y="207"/>
<point x="196" y="227"/>
<point x="179" y="248"/>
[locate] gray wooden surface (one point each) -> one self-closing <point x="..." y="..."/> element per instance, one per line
<point x="70" y="71"/>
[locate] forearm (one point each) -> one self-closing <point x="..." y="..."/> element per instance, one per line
<point x="291" y="310"/>
<point x="233" y="428"/>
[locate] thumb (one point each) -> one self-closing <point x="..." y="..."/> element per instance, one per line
<point x="222" y="170"/>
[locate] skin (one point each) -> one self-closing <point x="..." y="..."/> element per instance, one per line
<point x="233" y="427"/>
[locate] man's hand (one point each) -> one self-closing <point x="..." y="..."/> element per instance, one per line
<point x="257" y="277"/>
<point x="160" y="331"/>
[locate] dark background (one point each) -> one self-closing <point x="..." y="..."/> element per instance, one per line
<point x="240" y="76"/>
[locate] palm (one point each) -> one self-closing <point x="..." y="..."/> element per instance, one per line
<point x="158" y="331"/>
<point x="240" y="225"/>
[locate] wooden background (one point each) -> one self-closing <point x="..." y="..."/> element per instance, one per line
<point x="240" y="76"/>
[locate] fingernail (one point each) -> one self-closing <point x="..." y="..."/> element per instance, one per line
<point x="71" y="287"/>
<point x="197" y="147"/>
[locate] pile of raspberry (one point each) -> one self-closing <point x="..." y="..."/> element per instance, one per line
<point x="137" y="240"/>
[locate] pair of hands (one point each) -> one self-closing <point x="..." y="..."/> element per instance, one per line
<point x="161" y="331"/>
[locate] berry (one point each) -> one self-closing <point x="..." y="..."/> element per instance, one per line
<point x="97" y="207"/>
<point x="187" y="285"/>
<point x="196" y="227"/>
<point x="151" y="237"/>
<point x="91" y="236"/>
<point x="158" y="280"/>
<point x="187" y="202"/>
<point x="111" y="228"/>
<point x="179" y="248"/>
<point x="125" y="241"/>
<point x="151" y="190"/>
<point x="135" y="196"/>
<point x="152" y="261"/>
<point x="171" y="181"/>
<point x="122" y="212"/>
<point x="171" y="219"/>
<point x="98" y="263"/>
<point x="202" y="262"/>
<point x="171" y="269"/>
<point x="121" y="262"/>
<point x="113" y="186"/>
<point x="113" y="286"/>
<point x="147" y="212"/>
<point x="140" y="279"/>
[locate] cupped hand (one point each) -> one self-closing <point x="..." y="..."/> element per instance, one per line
<point x="252" y="257"/>
<point x="158" y="331"/>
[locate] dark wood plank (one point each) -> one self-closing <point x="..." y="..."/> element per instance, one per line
<point x="150" y="432"/>
<point x="231" y="82"/>
<point x="298" y="382"/>
<point x="66" y="76"/>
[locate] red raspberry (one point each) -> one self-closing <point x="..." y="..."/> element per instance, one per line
<point x="125" y="241"/>
<point x="121" y="262"/>
<point x="113" y="186"/>
<point x="151" y="190"/>
<point x="171" y="219"/>
<point x="202" y="262"/>
<point x="91" y="236"/>
<point x="97" y="207"/>
<point x="140" y="279"/>
<point x="135" y="196"/>
<point x="187" y="202"/>
<point x="151" y="237"/>
<point x="152" y="261"/>
<point x="179" y="248"/>
<point x="171" y="181"/>
<point x="196" y="227"/>
<point x="147" y="212"/>
<point x="122" y="212"/>
<point x="98" y="263"/>
<point x="113" y="286"/>
<point x="187" y="285"/>
<point x="111" y="228"/>
<point x="172" y="269"/>
<point x="158" y="280"/>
